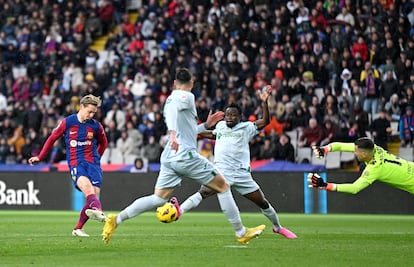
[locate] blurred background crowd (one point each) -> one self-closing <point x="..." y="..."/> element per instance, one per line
<point x="339" y="70"/>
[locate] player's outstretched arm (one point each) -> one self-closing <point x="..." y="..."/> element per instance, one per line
<point x="315" y="181"/>
<point x="208" y="134"/>
<point x="33" y="160"/>
<point x="264" y="96"/>
<point x="213" y="119"/>
<point x="321" y="151"/>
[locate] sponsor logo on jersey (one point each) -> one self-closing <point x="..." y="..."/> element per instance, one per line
<point x="229" y="135"/>
<point x="75" y="143"/>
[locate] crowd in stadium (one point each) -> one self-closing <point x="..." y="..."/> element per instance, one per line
<point x="335" y="67"/>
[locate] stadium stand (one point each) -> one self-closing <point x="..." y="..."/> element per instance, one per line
<point x="52" y="54"/>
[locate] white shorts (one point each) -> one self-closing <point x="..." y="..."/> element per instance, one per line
<point x="197" y="168"/>
<point x="240" y="180"/>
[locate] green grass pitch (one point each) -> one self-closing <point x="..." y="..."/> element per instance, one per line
<point x="43" y="238"/>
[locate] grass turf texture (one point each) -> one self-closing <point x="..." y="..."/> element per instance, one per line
<point x="43" y="238"/>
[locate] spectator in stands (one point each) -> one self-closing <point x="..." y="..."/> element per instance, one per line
<point x="406" y="127"/>
<point x="360" y="49"/>
<point x="67" y="44"/>
<point x="299" y="119"/>
<point x="4" y="150"/>
<point x="389" y="87"/>
<point x="393" y="108"/>
<point x="112" y="133"/>
<point x="329" y="132"/>
<point x="152" y="150"/>
<point x="139" y="166"/>
<point x="284" y="149"/>
<point x="381" y="129"/>
<point x="106" y="13"/>
<point x="254" y="145"/>
<point x="360" y="117"/>
<point x="93" y="24"/>
<point x="370" y="81"/>
<point x="312" y="135"/>
<point x="125" y="144"/>
<point x="267" y="149"/>
<point x="117" y="116"/>
<point x="148" y="26"/>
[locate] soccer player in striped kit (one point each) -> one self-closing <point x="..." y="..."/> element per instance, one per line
<point x="85" y="141"/>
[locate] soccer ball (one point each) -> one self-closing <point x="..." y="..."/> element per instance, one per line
<point x="167" y="213"/>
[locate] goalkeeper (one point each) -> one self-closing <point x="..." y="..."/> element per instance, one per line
<point x="380" y="166"/>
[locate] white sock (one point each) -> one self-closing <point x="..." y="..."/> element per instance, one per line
<point x="139" y="206"/>
<point x="230" y="209"/>
<point x="271" y="214"/>
<point x="191" y="202"/>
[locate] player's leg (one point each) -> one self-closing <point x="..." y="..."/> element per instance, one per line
<point x="267" y="209"/>
<point x="143" y="204"/>
<point x="137" y="207"/>
<point x="166" y="182"/>
<point x="231" y="210"/>
<point x="88" y="178"/>
<point x="194" y="200"/>
<point x="94" y="207"/>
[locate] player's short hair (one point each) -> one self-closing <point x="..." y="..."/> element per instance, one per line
<point x="364" y="143"/>
<point x="90" y="100"/>
<point x="183" y="76"/>
<point x="234" y="105"/>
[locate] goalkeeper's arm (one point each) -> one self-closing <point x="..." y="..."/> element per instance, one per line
<point x="321" y="151"/>
<point x="316" y="181"/>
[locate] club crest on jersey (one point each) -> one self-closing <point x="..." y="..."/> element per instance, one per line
<point x="89" y="135"/>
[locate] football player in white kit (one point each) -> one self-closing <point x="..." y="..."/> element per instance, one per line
<point x="181" y="159"/>
<point x="232" y="158"/>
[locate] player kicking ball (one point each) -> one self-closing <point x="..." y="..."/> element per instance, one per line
<point x="380" y="166"/>
<point x="86" y="142"/>
<point x="180" y="159"/>
<point x="232" y="158"/>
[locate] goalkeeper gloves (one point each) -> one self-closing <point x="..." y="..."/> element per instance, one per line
<point x="320" y="151"/>
<point x="317" y="182"/>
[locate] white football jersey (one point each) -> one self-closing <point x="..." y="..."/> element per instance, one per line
<point x="181" y="116"/>
<point x="232" y="144"/>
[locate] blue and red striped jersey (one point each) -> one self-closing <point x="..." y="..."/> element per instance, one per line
<point x="84" y="141"/>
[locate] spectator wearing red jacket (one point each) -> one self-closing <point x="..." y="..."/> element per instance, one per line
<point x="312" y="135"/>
<point x="106" y="13"/>
<point x="360" y="49"/>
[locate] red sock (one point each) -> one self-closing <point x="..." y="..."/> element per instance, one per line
<point x="93" y="202"/>
<point x="82" y="218"/>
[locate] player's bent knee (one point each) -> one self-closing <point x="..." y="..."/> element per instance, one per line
<point x="219" y="184"/>
<point x="205" y="192"/>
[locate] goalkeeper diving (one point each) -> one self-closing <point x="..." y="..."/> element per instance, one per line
<point x="381" y="166"/>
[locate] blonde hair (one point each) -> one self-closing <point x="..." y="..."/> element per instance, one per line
<point x="91" y="100"/>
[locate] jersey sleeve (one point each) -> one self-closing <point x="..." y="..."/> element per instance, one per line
<point x="184" y="101"/>
<point x="102" y="140"/>
<point x="345" y="147"/>
<point x="54" y="136"/>
<point x="170" y="115"/>
<point x="252" y="129"/>
<point x="367" y="177"/>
